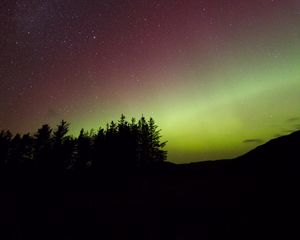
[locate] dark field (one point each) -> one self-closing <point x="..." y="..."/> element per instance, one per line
<point x="251" y="197"/>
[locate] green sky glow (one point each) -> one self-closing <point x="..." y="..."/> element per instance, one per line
<point x="209" y="121"/>
<point x="219" y="77"/>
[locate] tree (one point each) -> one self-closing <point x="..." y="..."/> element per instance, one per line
<point x="98" y="149"/>
<point x="63" y="147"/>
<point x="60" y="133"/>
<point x="14" y="154"/>
<point x="83" y="150"/>
<point x="5" y="141"/>
<point x="26" y="151"/>
<point x="42" y="146"/>
<point x="157" y="154"/>
<point x="126" y="144"/>
<point x="150" y="149"/>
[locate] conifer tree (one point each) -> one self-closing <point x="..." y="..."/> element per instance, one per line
<point x="62" y="147"/>
<point x="5" y="141"/>
<point x="42" y="146"/>
<point x="83" y="150"/>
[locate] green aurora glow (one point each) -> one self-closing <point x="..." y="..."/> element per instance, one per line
<point x="244" y="100"/>
<point x="219" y="77"/>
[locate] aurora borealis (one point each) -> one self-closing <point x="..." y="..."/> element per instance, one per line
<point x="219" y="77"/>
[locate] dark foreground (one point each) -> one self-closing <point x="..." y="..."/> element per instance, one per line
<point x="251" y="197"/>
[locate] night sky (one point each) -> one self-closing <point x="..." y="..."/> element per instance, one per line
<point x="219" y="76"/>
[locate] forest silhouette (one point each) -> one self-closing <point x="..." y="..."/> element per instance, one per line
<point x="122" y="145"/>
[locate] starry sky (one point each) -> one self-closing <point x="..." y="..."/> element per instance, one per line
<point x="219" y="76"/>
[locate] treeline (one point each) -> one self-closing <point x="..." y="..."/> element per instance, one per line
<point x="121" y="145"/>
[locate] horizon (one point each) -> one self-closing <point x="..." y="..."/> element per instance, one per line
<point x="218" y="77"/>
<point x="254" y="142"/>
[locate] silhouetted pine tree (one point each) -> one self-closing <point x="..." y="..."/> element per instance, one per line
<point x="14" y="154"/>
<point x="83" y="150"/>
<point x="98" y="152"/>
<point x="42" y="146"/>
<point x="134" y="140"/>
<point x="111" y="146"/>
<point x="143" y="143"/>
<point x="62" y="147"/>
<point x="26" y="151"/>
<point x="126" y="144"/>
<point x="150" y="148"/>
<point x="5" y="141"/>
<point x="156" y="152"/>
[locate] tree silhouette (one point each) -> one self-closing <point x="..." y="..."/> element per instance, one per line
<point x="156" y="153"/>
<point x="5" y="141"/>
<point x="26" y="151"/>
<point x="62" y="148"/>
<point x="15" y="154"/>
<point x="98" y="147"/>
<point x="42" y="146"/>
<point x="150" y="149"/>
<point x="83" y="150"/>
<point x="120" y="147"/>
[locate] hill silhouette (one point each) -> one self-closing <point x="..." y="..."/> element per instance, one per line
<point x="280" y="156"/>
<point x="254" y="196"/>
